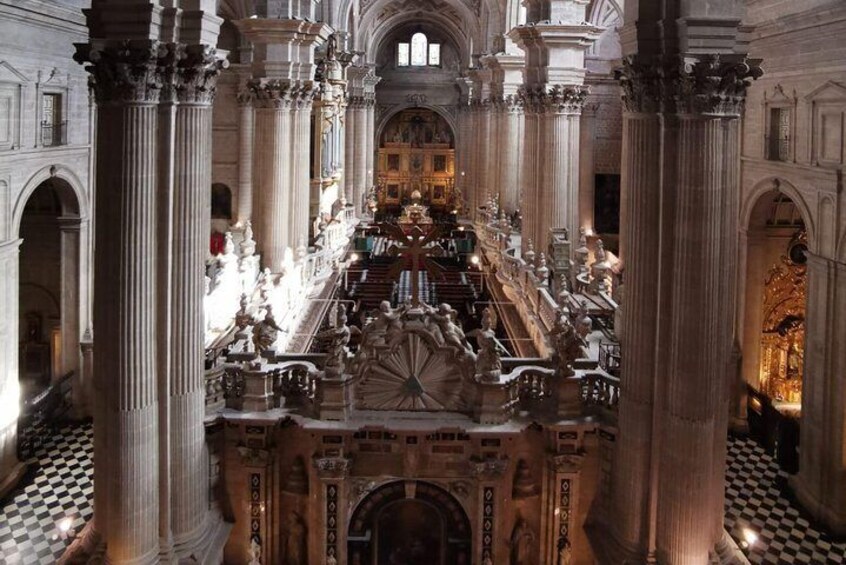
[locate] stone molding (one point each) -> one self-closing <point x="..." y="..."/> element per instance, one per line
<point x="281" y="94"/>
<point x="147" y="72"/>
<point x="711" y="85"/>
<point x="489" y="468"/>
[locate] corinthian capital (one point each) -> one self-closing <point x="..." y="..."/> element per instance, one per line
<point x="123" y="72"/>
<point x="270" y="93"/>
<point x="197" y="70"/>
<point x="712" y="85"/>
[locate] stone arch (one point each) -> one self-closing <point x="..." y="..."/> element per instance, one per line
<point x="363" y="530"/>
<point x="70" y="188"/>
<point x="386" y="118"/>
<point x="221" y="201"/>
<point x="753" y="200"/>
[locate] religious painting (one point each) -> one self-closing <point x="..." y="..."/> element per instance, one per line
<point x="438" y="192"/>
<point x="393" y="162"/>
<point x="439" y="163"/>
<point x="410" y="532"/>
<point x="393" y="191"/>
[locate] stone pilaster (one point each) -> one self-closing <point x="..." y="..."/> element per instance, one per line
<point x="246" y="132"/>
<point x="529" y="205"/>
<point x="127" y="81"/>
<point x="587" y="184"/>
<point x="272" y="169"/>
<point x="370" y="147"/>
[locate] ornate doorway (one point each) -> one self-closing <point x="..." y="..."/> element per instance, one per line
<point x="409" y="523"/>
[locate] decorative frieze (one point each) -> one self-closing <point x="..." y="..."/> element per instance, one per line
<point x="332" y="467"/>
<point x="489" y="468"/>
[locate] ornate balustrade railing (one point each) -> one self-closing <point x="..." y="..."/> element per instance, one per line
<point x="600" y="389"/>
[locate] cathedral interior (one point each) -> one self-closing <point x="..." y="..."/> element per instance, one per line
<point x="422" y="282"/>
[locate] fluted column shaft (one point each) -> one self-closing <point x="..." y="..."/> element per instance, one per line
<point x="349" y="158"/>
<point x="482" y="174"/>
<point x="530" y="205"/>
<point x="272" y="181"/>
<point x="509" y="156"/>
<point x="126" y="431"/>
<point x="370" y="146"/>
<point x="640" y="238"/>
<point x="191" y="226"/>
<point x="587" y="183"/>
<point x="558" y="186"/>
<point x="470" y="154"/>
<point x="246" y="126"/>
<point x="301" y="179"/>
<point x="694" y="408"/>
<point x="360" y="153"/>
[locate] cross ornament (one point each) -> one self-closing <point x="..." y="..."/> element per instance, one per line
<point x="414" y="254"/>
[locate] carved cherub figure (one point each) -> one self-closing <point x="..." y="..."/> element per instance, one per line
<point x="337" y="339"/>
<point x="266" y="332"/>
<point x="567" y="345"/>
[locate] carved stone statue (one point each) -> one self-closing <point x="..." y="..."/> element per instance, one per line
<point x="254" y="553"/>
<point x="295" y="541"/>
<point x="337" y="339"/>
<point x="385" y="327"/>
<point x="565" y="553"/>
<point x="452" y="333"/>
<point x="567" y="345"/>
<point x="488" y="362"/>
<point x="522" y="540"/>
<point x="266" y="332"/>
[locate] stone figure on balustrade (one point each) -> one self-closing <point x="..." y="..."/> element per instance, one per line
<point x="337" y="339"/>
<point x="566" y="344"/>
<point x="488" y="361"/>
<point x="266" y="332"/>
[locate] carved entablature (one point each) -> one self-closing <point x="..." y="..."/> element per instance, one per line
<point x="331" y="467"/>
<point x="710" y="85"/>
<point x="489" y="468"/>
<point x="414" y="359"/>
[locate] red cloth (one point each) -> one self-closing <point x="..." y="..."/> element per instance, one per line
<point x="218" y="240"/>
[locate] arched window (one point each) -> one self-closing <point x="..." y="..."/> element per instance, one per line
<point x="221" y="204"/>
<point x="418" y="52"/>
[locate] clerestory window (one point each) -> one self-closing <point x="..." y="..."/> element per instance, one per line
<point x="418" y="52"/>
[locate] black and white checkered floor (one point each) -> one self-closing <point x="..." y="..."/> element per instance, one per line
<point x="758" y="501"/>
<point x="59" y="486"/>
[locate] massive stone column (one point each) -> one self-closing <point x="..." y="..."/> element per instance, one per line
<point x="349" y="154"/>
<point x="198" y="68"/>
<point x="300" y="157"/>
<point x="554" y="42"/>
<point x="587" y="185"/>
<point x="680" y="206"/>
<point x="529" y="172"/>
<point x="246" y="132"/>
<point x="370" y="147"/>
<point x="272" y="169"/>
<point x="127" y="82"/>
<point x="360" y="151"/>
<point x="820" y="484"/>
<point x="11" y="469"/>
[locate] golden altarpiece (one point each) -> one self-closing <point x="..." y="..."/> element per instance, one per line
<point x="783" y="329"/>
<point x="416" y="153"/>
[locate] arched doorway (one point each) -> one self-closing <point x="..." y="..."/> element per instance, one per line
<point x="774" y="322"/>
<point x="416" y="153"/>
<point x="409" y="523"/>
<point x="49" y="287"/>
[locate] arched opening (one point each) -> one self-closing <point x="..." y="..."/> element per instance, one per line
<point x="49" y="287"/>
<point x="774" y="323"/>
<point x="221" y="216"/>
<point x="409" y="522"/>
<point x="416" y="154"/>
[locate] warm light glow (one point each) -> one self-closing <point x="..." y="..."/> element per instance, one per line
<point x="10" y="403"/>
<point x="65" y="524"/>
<point x="750" y="536"/>
<point x="589" y="232"/>
<point x="354" y="257"/>
<point x="474" y="259"/>
<point x="460" y="228"/>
